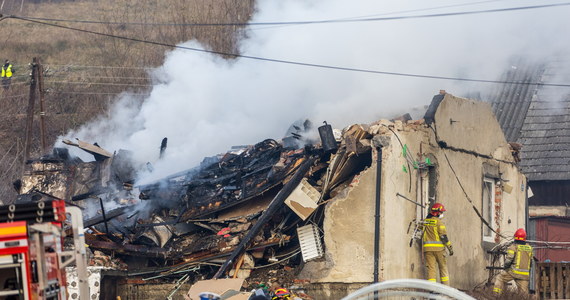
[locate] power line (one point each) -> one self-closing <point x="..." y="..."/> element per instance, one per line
<point x="99" y="83"/>
<point x="305" y="64"/>
<point x="347" y="20"/>
<point x="112" y="77"/>
<point x="398" y="12"/>
<point x="122" y="92"/>
<point x="97" y="67"/>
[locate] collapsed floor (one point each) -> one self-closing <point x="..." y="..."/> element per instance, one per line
<point x="253" y="212"/>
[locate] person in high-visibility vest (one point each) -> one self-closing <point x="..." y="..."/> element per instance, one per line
<point x="517" y="265"/>
<point x="7" y="72"/>
<point x="435" y="242"/>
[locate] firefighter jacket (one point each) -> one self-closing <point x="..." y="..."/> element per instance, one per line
<point x="7" y="70"/>
<point x="519" y="258"/>
<point x="435" y="235"/>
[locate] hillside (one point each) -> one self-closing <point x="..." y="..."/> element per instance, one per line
<point x="83" y="72"/>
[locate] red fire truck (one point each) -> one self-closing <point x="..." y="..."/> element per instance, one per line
<point x="32" y="256"/>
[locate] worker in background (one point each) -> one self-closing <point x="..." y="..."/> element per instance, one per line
<point x="517" y="265"/>
<point x="7" y="72"/>
<point x="435" y="241"/>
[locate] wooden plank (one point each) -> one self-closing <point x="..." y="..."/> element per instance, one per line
<point x="544" y="281"/>
<point x="552" y="279"/>
<point x="567" y="281"/>
<point x="559" y="281"/>
<point x="537" y="278"/>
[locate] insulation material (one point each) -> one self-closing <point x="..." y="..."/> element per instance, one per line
<point x="310" y="242"/>
<point x="303" y="200"/>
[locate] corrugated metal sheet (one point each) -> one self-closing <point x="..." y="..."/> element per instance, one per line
<point x="538" y="117"/>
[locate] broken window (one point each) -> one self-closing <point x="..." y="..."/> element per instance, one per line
<point x="488" y="210"/>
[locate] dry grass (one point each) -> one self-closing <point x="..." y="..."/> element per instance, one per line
<point x="84" y="71"/>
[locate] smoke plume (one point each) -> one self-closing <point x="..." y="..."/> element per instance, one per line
<point x="204" y="104"/>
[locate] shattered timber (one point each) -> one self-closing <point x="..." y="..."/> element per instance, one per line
<point x="272" y="212"/>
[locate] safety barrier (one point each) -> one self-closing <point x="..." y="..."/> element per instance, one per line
<point x="552" y="280"/>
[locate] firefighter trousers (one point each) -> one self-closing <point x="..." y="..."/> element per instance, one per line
<point x="433" y="261"/>
<point x="521" y="282"/>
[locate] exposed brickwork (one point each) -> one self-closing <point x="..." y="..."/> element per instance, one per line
<point x="498" y="202"/>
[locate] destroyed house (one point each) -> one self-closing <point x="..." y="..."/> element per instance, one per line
<point x="536" y="119"/>
<point x="308" y="218"/>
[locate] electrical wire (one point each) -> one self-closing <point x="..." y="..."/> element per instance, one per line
<point x="121" y="92"/>
<point x="99" y="83"/>
<point x="394" y="12"/>
<point x="97" y="67"/>
<point x="298" y="63"/>
<point x="277" y="262"/>
<point x="547" y="242"/>
<point x="346" y="20"/>
<point x="111" y="77"/>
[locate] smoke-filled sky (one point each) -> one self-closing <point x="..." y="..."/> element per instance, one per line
<point x="205" y="104"/>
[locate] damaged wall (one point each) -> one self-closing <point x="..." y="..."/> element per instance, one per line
<point x="469" y="137"/>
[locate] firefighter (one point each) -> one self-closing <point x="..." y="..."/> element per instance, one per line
<point x="7" y="72"/>
<point x="517" y="264"/>
<point x="435" y="241"/>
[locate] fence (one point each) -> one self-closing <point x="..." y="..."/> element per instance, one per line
<point x="552" y="280"/>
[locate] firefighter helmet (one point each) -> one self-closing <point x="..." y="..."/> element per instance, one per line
<point x="282" y="293"/>
<point x="520" y="235"/>
<point x="437" y="209"/>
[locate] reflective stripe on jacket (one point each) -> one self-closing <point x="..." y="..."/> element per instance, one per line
<point x="7" y="72"/>
<point x="519" y="256"/>
<point x="434" y="228"/>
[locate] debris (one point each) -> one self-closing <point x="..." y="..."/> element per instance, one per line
<point x="213" y="286"/>
<point x="303" y="200"/>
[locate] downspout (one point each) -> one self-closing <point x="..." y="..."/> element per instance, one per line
<point x="526" y="217"/>
<point x="377" y="214"/>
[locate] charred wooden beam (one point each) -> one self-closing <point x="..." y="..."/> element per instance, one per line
<point x="130" y="249"/>
<point x="275" y="204"/>
<point x="109" y="215"/>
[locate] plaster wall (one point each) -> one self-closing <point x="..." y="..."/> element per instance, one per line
<point x="349" y="217"/>
<point x="349" y="235"/>
<point x="468" y="124"/>
<point x="537" y="211"/>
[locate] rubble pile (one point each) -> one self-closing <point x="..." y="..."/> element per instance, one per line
<point x="247" y="203"/>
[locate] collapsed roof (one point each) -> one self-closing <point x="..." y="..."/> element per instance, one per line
<point x="252" y="198"/>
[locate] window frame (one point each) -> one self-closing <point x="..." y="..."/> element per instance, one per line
<point x="488" y="207"/>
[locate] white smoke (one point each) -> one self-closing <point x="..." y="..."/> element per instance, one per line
<point x="205" y="104"/>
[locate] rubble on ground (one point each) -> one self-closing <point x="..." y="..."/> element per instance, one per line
<point x="194" y="221"/>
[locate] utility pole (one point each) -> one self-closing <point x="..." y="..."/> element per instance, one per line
<point x="30" y="117"/>
<point x="40" y="70"/>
